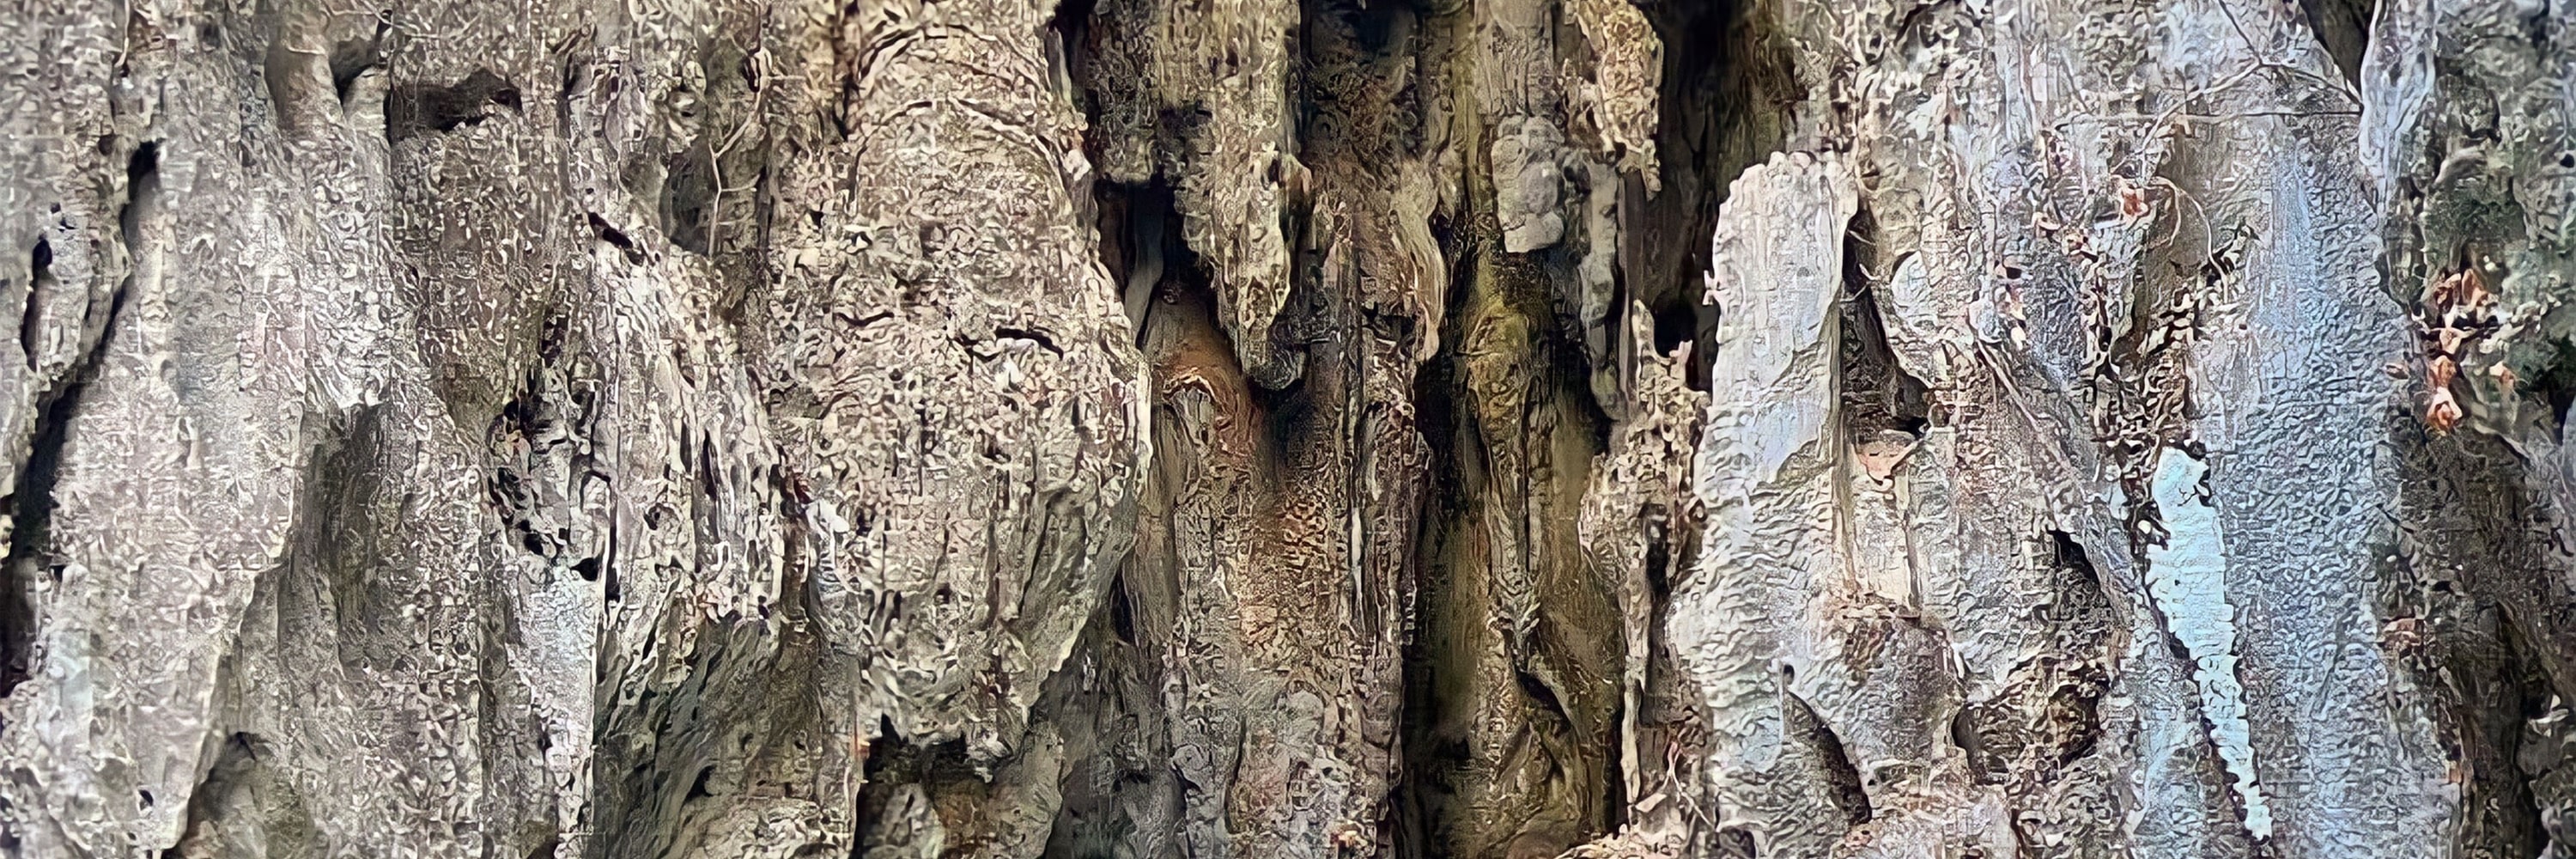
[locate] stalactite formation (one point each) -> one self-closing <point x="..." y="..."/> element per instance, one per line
<point x="1148" y="429"/>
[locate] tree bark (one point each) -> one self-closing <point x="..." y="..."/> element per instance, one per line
<point x="1504" y="429"/>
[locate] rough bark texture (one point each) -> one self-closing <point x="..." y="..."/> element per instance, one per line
<point x="1146" y="429"/>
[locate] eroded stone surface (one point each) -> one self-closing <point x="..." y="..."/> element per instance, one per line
<point x="458" y="428"/>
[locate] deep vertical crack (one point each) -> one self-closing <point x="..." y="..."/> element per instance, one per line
<point x="2343" y="26"/>
<point x="1728" y="84"/>
<point x="31" y="500"/>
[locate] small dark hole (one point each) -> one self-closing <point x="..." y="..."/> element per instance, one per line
<point x="611" y="234"/>
<point x="1675" y="323"/>
<point x="350" y="58"/>
<point x="1043" y="341"/>
<point x="40" y="268"/>
<point x="415" y="108"/>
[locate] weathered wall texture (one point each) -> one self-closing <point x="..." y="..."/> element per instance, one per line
<point x="1145" y="429"/>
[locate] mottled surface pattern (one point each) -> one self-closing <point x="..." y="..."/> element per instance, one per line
<point x="1145" y="429"/>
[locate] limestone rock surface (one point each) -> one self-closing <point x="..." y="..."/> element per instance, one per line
<point x="1148" y="429"/>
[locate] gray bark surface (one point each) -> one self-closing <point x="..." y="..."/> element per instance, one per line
<point x="1145" y="429"/>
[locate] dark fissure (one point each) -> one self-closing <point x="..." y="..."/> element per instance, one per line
<point x="31" y="501"/>
<point x="2343" y="26"/>
<point x="1728" y="88"/>
<point x="1509" y="624"/>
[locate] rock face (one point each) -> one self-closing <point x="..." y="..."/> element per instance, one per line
<point x="1503" y="429"/>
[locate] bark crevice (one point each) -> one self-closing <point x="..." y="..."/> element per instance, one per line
<point x="415" y="108"/>
<point x="31" y="502"/>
